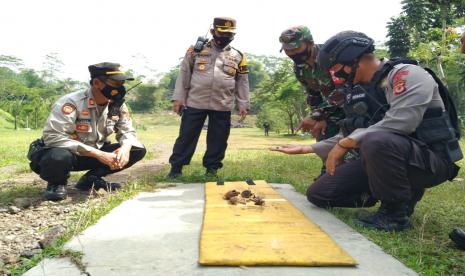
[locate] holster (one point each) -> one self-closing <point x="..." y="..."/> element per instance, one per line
<point x="34" y="154"/>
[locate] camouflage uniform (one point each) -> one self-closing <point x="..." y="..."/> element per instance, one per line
<point x="318" y="83"/>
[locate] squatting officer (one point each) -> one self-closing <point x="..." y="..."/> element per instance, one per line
<point x="412" y="146"/>
<point x="75" y="136"/>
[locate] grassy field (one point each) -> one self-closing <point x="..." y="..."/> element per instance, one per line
<point x="425" y="248"/>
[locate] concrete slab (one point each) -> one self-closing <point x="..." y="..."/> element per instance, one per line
<point x="158" y="234"/>
<point x="55" y="267"/>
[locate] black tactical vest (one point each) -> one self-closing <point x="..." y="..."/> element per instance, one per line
<point x="366" y="105"/>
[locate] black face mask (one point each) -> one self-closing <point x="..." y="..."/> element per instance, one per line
<point x="114" y="93"/>
<point x="348" y="77"/>
<point x="341" y="74"/>
<point x="222" y="41"/>
<point x="302" y="57"/>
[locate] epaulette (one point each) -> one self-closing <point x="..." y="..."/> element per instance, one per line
<point x="243" y="69"/>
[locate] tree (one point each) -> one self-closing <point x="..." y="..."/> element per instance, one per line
<point x="280" y="94"/>
<point x="398" y="34"/>
<point x="11" y="62"/>
<point x="256" y="73"/>
<point x="143" y="99"/>
<point x="53" y="66"/>
<point x="291" y="100"/>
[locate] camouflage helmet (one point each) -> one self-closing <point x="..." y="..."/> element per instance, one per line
<point x="344" y="48"/>
<point x="293" y="37"/>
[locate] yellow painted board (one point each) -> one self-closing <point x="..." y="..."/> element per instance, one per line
<point x="274" y="234"/>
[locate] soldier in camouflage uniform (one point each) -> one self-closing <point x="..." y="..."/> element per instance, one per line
<point x="297" y="43"/>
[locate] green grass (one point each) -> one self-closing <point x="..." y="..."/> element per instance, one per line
<point x="425" y="248"/>
<point x="14" y="146"/>
<point x="8" y="194"/>
<point x="6" y="120"/>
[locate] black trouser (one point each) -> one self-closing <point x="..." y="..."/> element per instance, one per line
<point x="56" y="163"/>
<point x="385" y="172"/>
<point x="219" y="125"/>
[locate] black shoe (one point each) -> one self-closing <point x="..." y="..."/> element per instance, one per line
<point x="366" y="216"/>
<point x="211" y="172"/>
<point x="416" y="196"/>
<point x="87" y="182"/>
<point x="389" y="217"/>
<point x="458" y="236"/>
<point x="55" y="192"/>
<point x="174" y="173"/>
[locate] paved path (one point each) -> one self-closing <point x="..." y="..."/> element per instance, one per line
<point x="158" y="234"/>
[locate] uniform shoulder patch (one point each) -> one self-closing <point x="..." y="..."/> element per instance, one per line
<point x="190" y="50"/>
<point x="243" y="69"/>
<point x="68" y="108"/>
<point x="399" y="83"/>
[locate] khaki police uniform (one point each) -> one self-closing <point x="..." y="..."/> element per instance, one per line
<point x="210" y="81"/>
<point x="393" y="166"/>
<point x="213" y="78"/>
<point x="75" y="124"/>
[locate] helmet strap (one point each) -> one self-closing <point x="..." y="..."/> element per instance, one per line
<point x="353" y="71"/>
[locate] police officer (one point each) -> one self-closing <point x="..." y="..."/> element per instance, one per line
<point x="297" y="42"/>
<point x="77" y="130"/>
<point x="212" y="77"/>
<point x="398" y="161"/>
<point x="458" y="235"/>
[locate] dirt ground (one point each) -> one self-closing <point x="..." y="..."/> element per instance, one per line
<point x="31" y="222"/>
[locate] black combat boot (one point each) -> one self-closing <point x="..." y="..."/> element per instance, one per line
<point x="366" y="216"/>
<point x="89" y="181"/>
<point x="175" y="172"/>
<point x="211" y="172"/>
<point x="458" y="236"/>
<point x="389" y="217"/>
<point x="416" y="196"/>
<point x="55" y="191"/>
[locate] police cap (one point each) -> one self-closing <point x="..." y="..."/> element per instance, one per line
<point x="108" y="69"/>
<point x="224" y="24"/>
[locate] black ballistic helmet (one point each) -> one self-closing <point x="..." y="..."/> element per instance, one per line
<point x="344" y="47"/>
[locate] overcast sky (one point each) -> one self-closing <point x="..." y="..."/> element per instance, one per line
<point x="156" y="34"/>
